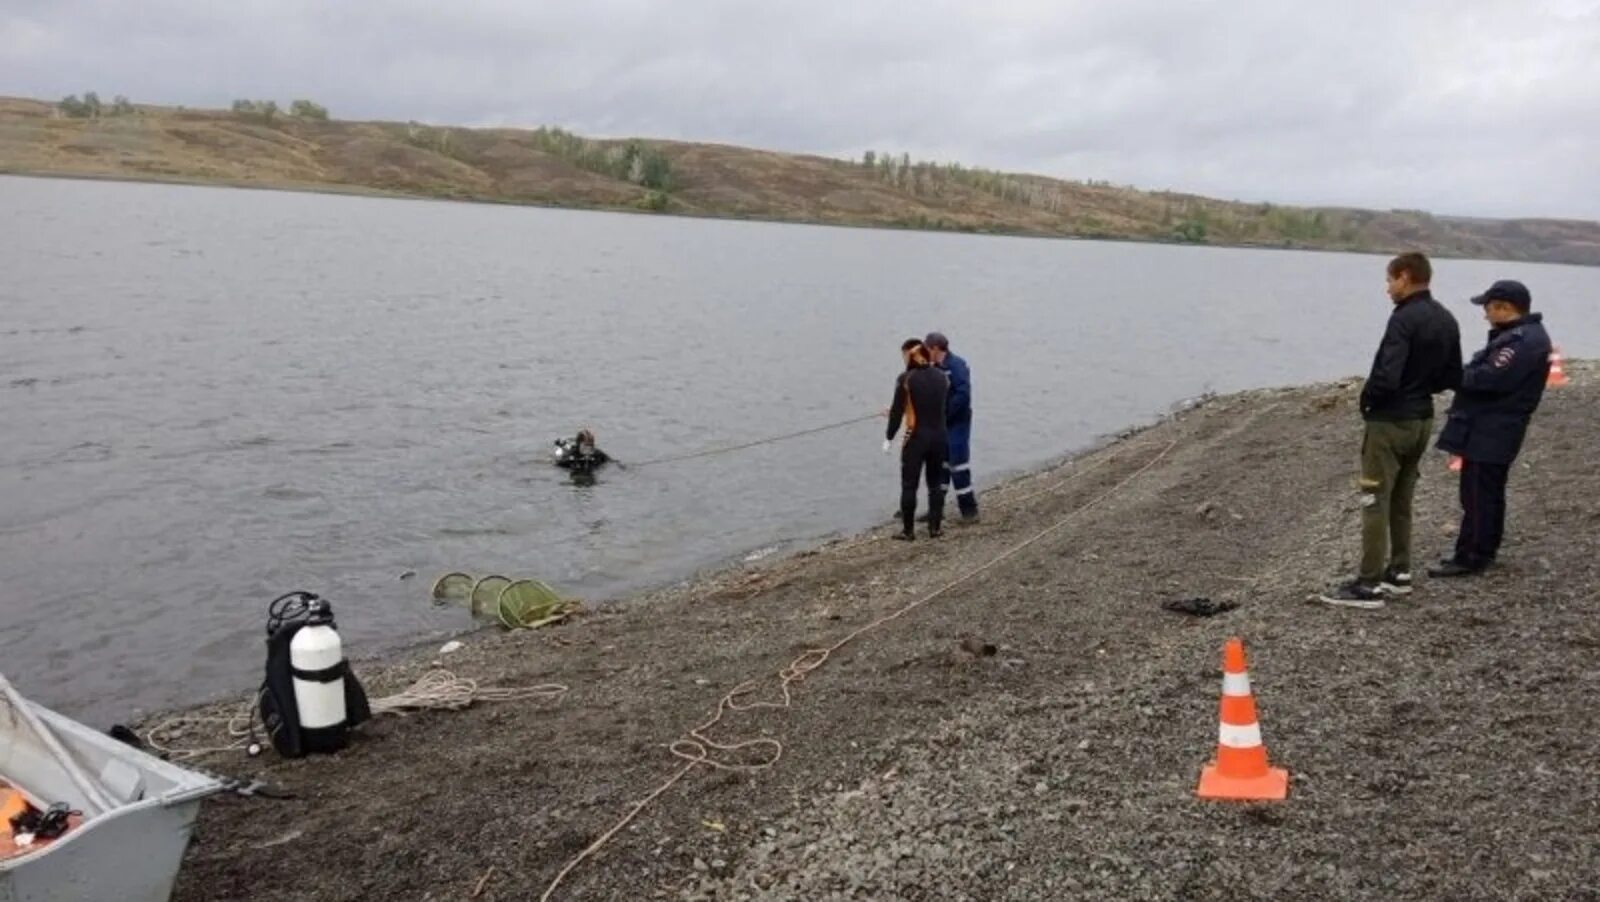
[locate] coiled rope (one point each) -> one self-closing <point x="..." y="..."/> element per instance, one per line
<point x="443" y="690"/>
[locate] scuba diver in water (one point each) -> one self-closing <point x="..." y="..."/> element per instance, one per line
<point x="579" y="453"/>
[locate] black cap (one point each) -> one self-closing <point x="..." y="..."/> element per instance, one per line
<point x="937" y="340"/>
<point x="1508" y="290"/>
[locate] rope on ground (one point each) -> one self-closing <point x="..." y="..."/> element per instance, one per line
<point x="164" y="737"/>
<point x="436" y="690"/>
<point x="1060" y="482"/>
<point x="443" y="690"/>
<point x="695" y="747"/>
<point x="770" y="440"/>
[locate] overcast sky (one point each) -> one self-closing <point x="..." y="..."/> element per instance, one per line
<point x="1455" y="106"/>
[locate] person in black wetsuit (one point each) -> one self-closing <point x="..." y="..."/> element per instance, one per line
<point x="579" y="453"/>
<point x="921" y="395"/>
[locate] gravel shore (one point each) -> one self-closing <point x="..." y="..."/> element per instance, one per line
<point x="1443" y="747"/>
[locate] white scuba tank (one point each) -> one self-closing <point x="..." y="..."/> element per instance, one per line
<point x="316" y="656"/>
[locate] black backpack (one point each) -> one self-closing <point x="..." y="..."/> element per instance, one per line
<point x="280" y="715"/>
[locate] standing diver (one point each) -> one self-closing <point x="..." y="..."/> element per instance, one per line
<point x="921" y="394"/>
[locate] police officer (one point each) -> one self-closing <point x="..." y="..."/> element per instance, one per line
<point x="1500" y="388"/>
<point x="1420" y="356"/>
<point x="921" y="394"/>
<point x="958" y="423"/>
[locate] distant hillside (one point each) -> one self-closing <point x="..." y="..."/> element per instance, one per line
<point x="260" y="147"/>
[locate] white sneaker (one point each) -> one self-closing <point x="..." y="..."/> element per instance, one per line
<point x="1395" y="583"/>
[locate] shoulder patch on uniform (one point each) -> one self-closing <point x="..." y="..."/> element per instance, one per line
<point x="1502" y="358"/>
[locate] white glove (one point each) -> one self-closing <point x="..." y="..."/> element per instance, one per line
<point x="888" y="445"/>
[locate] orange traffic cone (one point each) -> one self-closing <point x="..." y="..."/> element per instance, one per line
<point x="1558" y="376"/>
<point x="1240" y="771"/>
<point x="1455" y="463"/>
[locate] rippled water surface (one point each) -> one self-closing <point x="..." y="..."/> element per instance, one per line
<point x="212" y="396"/>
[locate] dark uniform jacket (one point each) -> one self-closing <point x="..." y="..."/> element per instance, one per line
<point x="1419" y="357"/>
<point x="1500" y="389"/>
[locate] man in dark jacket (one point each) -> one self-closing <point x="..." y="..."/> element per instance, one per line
<point x="1500" y="389"/>
<point x="920" y="396"/>
<point x="1419" y="357"/>
<point x="958" y="423"/>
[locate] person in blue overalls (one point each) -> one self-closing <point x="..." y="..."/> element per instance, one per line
<point x="958" y="423"/>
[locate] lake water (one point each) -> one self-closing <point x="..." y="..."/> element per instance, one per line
<point x="210" y="397"/>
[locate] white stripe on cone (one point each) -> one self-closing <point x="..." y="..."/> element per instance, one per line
<point x="1247" y="737"/>
<point x="1236" y="684"/>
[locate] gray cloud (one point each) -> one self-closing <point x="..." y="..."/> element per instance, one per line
<point x="1489" y="107"/>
